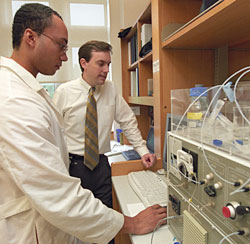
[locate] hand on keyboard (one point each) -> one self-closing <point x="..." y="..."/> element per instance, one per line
<point x="149" y="187"/>
<point x="145" y="221"/>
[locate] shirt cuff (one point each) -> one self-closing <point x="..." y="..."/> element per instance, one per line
<point x="113" y="229"/>
<point x="142" y="150"/>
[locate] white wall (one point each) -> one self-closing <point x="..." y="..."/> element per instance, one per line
<point x="5" y="29"/>
<point x="123" y="13"/>
<point x="132" y="10"/>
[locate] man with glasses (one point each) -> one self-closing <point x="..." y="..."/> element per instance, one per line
<point x="40" y="202"/>
<point x="63" y="47"/>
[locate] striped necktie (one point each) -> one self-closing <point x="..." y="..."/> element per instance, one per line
<point x="91" y="156"/>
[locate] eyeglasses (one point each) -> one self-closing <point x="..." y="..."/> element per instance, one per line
<point x="63" y="47"/>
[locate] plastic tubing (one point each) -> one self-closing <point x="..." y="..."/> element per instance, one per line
<point x="220" y="87"/>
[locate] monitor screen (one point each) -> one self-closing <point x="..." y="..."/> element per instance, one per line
<point x="167" y="128"/>
<point x="150" y="139"/>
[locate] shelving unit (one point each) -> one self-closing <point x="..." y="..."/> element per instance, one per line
<point x="144" y="66"/>
<point x="226" y="23"/>
<point x="201" y="48"/>
<point x="206" y="49"/>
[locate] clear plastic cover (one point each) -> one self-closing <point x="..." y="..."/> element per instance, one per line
<point x="218" y="116"/>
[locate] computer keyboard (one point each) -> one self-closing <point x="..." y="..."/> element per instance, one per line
<point x="149" y="187"/>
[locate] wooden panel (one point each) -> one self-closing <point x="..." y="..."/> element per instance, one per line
<point x="143" y="121"/>
<point x="165" y="12"/>
<point x="125" y="167"/>
<point x="172" y="11"/>
<point x="180" y="69"/>
<point x="125" y="73"/>
<point x="139" y="24"/>
<point x="145" y="73"/>
<point x="159" y="121"/>
<point x="238" y="59"/>
<point x="120" y="238"/>
<point x="184" y="69"/>
<point x="157" y="18"/>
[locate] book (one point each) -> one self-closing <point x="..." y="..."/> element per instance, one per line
<point x="133" y="82"/>
<point x="150" y="87"/>
<point x="146" y="33"/>
<point x="129" y="53"/>
<point x="134" y="48"/>
<point x="137" y="91"/>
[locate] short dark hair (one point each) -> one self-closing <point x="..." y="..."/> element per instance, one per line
<point x="34" y="16"/>
<point x="85" y="51"/>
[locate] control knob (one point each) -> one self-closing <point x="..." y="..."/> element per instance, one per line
<point x="241" y="210"/>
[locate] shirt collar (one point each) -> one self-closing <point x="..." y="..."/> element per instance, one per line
<point x="25" y="75"/>
<point x="87" y="87"/>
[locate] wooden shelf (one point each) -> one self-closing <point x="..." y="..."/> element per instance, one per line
<point x="146" y="58"/>
<point x="131" y="32"/>
<point x="133" y="66"/>
<point x="214" y="28"/>
<point x="143" y="100"/>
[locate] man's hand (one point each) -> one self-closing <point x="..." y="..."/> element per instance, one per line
<point x="148" y="160"/>
<point x="145" y="221"/>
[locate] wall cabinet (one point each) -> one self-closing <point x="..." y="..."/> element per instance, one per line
<point x="188" y="48"/>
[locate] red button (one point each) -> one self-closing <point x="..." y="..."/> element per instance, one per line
<point x="226" y="212"/>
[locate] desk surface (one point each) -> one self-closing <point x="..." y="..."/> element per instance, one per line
<point x="116" y="158"/>
<point x="126" y="196"/>
<point x="116" y="153"/>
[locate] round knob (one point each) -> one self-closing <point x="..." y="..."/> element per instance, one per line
<point x="229" y="211"/>
<point x="218" y="185"/>
<point x="210" y="176"/>
<point x="241" y="210"/>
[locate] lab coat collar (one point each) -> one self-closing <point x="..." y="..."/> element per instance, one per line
<point x="31" y="81"/>
<point x="21" y="72"/>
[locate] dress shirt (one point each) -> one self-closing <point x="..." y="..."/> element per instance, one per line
<point x="71" y="98"/>
<point x="38" y="197"/>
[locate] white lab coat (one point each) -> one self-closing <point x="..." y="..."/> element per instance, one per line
<point x="38" y="198"/>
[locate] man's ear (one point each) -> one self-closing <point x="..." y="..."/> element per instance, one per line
<point x="83" y="63"/>
<point x="30" y="37"/>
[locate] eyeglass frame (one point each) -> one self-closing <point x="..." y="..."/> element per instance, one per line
<point x="63" y="47"/>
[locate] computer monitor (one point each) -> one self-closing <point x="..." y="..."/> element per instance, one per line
<point x="206" y="4"/>
<point x="167" y="128"/>
<point x="150" y="139"/>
